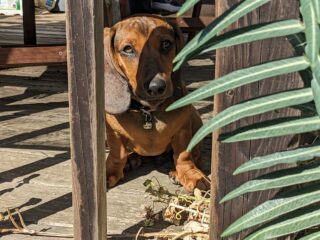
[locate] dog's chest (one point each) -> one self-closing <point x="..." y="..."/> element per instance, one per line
<point x="138" y="124"/>
<point x="145" y="141"/>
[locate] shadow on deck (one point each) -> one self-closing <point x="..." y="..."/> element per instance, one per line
<point x="35" y="171"/>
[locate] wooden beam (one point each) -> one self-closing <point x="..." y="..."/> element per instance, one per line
<point x="107" y="14"/>
<point x="195" y="13"/>
<point x="112" y="13"/>
<point x="29" y="22"/>
<point x="191" y="24"/>
<point x="86" y="97"/>
<point x="125" y="8"/>
<point x="227" y="157"/>
<point x="31" y="56"/>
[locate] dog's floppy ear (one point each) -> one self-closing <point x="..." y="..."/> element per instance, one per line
<point x="116" y="88"/>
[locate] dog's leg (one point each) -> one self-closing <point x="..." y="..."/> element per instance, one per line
<point x="117" y="157"/>
<point x="186" y="172"/>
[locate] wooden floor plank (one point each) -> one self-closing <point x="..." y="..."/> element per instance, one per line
<point x="34" y="143"/>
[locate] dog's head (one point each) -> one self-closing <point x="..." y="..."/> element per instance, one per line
<point x="138" y="62"/>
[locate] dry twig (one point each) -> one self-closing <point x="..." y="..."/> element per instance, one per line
<point x="179" y="207"/>
<point x="21" y="228"/>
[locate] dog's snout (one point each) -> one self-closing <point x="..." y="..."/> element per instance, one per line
<point x="156" y="87"/>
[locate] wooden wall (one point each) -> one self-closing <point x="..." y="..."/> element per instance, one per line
<point x="227" y="157"/>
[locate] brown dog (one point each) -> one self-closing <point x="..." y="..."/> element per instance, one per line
<point x="139" y="85"/>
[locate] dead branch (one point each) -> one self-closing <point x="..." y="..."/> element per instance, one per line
<point x="188" y="210"/>
<point x="163" y="234"/>
<point x="21" y="228"/>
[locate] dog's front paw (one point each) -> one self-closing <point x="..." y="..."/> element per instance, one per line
<point x="134" y="162"/>
<point x="190" y="179"/>
<point x="113" y="178"/>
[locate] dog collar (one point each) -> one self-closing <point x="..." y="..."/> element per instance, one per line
<point x="146" y="115"/>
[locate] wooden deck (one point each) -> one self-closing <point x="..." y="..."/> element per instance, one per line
<point x="50" y="29"/>
<point x="35" y="173"/>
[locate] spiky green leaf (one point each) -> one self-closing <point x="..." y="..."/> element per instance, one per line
<point x="296" y="126"/>
<point x="282" y="204"/>
<point x="307" y="109"/>
<point x="288" y="157"/>
<point x="316" y="6"/>
<point x="298" y="41"/>
<point x="220" y="24"/>
<point x="316" y="94"/>
<point x="247" y="35"/>
<point x="250" y="108"/>
<point x="316" y="70"/>
<point x="186" y="6"/>
<point x="313" y="236"/>
<point x="308" y="10"/>
<point x="255" y="33"/>
<point x="283" y="178"/>
<point x="312" y="30"/>
<point x="291" y="223"/>
<point x="242" y="77"/>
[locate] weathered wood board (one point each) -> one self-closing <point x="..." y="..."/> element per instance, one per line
<point x="34" y="153"/>
<point x="227" y="157"/>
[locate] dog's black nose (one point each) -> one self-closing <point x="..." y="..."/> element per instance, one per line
<point x="156" y="87"/>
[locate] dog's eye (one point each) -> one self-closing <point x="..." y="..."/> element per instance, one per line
<point x="128" y="50"/>
<point x="166" y="45"/>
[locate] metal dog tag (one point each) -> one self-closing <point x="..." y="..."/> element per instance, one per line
<point x="147" y="125"/>
<point x="147" y="119"/>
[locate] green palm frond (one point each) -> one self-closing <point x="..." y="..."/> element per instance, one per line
<point x="288" y="212"/>
<point x="295" y="126"/>
<point x="282" y="178"/>
<point x="309" y="14"/>
<point x="291" y="223"/>
<point x="316" y="5"/>
<point x="218" y="25"/>
<point x="280" y="205"/>
<point x="243" y="77"/>
<point x="313" y="236"/>
<point x="251" y="108"/>
<point x="288" y="157"/>
<point x="298" y="41"/>
<point x="246" y="35"/>
<point x="186" y="6"/>
<point x="312" y="30"/>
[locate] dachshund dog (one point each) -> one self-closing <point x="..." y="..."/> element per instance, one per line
<point x="139" y="86"/>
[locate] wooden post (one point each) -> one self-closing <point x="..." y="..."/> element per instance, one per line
<point x="86" y="99"/>
<point x="227" y="157"/>
<point x="195" y="13"/>
<point x="112" y="13"/>
<point x="107" y="17"/>
<point x="29" y="22"/>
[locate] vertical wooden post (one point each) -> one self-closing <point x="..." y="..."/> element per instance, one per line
<point x="124" y="8"/>
<point x="112" y="12"/>
<point x="195" y="13"/>
<point x="29" y="22"/>
<point x="86" y="98"/>
<point x="116" y="10"/>
<point x="227" y="157"/>
<point x="107" y="16"/>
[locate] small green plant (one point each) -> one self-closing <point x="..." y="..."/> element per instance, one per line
<point x="292" y="211"/>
